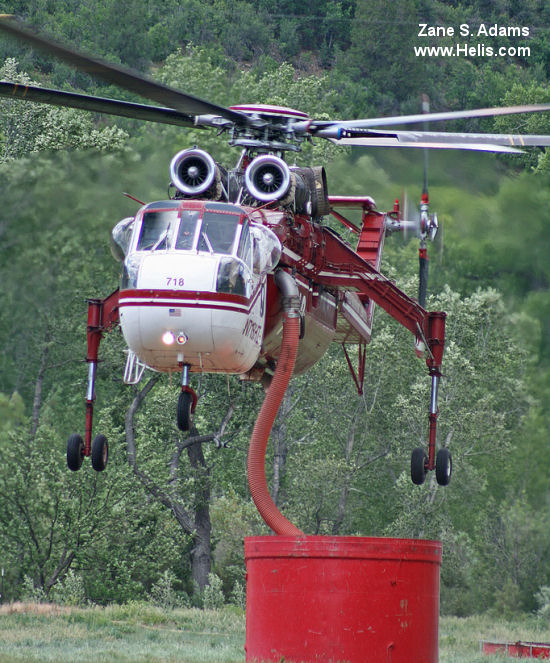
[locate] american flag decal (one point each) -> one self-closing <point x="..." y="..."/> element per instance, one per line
<point x="174" y="312"/>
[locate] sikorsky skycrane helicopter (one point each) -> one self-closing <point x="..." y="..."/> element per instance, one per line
<point x="209" y="273"/>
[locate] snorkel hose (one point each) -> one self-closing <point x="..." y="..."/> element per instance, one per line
<point x="273" y="399"/>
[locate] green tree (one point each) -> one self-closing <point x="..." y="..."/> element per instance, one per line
<point x="389" y="69"/>
<point x="514" y="554"/>
<point x="26" y="128"/>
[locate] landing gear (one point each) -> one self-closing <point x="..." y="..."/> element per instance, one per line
<point x="419" y="466"/>
<point x="75" y="452"/>
<point x="433" y="339"/>
<point x="100" y="453"/>
<point x="185" y="404"/>
<point x="443" y="467"/>
<point x="102" y="316"/>
<point x="187" y="401"/>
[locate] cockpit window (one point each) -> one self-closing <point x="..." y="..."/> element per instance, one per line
<point x="155" y="230"/>
<point x="218" y="231"/>
<point x="186" y="231"/>
<point x="245" y="246"/>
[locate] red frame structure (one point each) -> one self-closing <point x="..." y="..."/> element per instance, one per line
<point x="360" y="269"/>
<point x="102" y="316"/>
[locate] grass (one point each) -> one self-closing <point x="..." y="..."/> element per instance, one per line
<point x="460" y="638"/>
<point x="141" y="633"/>
<point x="133" y="633"/>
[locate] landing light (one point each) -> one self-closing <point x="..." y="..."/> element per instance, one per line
<point x="181" y="338"/>
<point x="168" y="338"/>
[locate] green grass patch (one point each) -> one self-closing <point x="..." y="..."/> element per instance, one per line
<point x="136" y="633"/>
<point x="460" y="638"/>
<point x="141" y="633"/>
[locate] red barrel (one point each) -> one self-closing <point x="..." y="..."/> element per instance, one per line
<point x="324" y="599"/>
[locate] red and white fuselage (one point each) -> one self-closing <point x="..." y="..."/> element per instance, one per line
<point x="190" y="292"/>
<point x="198" y="289"/>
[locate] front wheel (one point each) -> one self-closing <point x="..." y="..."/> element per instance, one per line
<point x="75" y="452"/>
<point x="419" y="462"/>
<point x="100" y="453"/>
<point x="443" y="467"/>
<point x="185" y="403"/>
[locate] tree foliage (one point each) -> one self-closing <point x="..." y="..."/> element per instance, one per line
<point x="30" y="128"/>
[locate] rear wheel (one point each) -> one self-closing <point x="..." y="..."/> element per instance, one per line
<point x="185" y="403"/>
<point x="75" y="452"/>
<point x="443" y="467"/>
<point x="100" y="453"/>
<point x="419" y="461"/>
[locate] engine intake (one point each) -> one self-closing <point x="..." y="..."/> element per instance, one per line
<point x="268" y="178"/>
<point x="194" y="172"/>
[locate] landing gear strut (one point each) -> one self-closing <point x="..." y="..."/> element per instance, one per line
<point x="102" y="316"/>
<point x="422" y="463"/>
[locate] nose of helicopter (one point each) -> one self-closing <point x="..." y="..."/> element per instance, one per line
<point x="176" y="314"/>
<point x="161" y="315"/>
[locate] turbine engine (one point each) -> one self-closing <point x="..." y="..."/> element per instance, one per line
<point x="195" y="173"/>
<point x="269" y="178"/>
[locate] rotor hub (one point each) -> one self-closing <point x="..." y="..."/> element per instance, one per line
<point x="274" y="128"/>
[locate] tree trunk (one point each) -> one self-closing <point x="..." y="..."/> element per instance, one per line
<point x="201" y="553"/>
<point x="39" y="385"/>
<point x="344" y="491"/>
<point x="280" y="446"/>
<point x="195" y="521"/>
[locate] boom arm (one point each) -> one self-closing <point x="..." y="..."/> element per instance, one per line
<point x="320" y="254"/>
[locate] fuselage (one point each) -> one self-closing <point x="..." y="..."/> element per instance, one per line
<point x="197" y="289"/>
<point x="189" y="292"/>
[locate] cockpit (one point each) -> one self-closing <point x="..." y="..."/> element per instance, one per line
<point x="220" y="230"/>
<point x="213" y="228"/>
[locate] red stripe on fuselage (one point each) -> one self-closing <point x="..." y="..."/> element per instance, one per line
<point x="189" y="299"/>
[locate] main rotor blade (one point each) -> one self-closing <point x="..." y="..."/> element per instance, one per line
<point x="388" y="141"/>
<point x="95" y="104"/>
<point x="339" y="129"/>
<point x="125" y="78"/>
<point x="508" y="140"/>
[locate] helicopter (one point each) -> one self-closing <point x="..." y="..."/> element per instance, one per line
<point x="210" y="274"/>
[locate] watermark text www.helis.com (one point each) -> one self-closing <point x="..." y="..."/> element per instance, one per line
<point x="470" y="41"/>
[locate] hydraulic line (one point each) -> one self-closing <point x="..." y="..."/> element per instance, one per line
<point x="266" y="418"/>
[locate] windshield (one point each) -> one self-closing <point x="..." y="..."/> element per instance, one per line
<point x="155" y="230"/>
<point x="218" y="231"/>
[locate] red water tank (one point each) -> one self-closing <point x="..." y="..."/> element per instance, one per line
<point x="325" y="599"/>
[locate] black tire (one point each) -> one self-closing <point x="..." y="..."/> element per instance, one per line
<point x="100" y="453"/>
<point x="443" y="467"/>
<point x="75" y="452"/>
<point x="185" y="403"/>
<point x="419" y="461"/>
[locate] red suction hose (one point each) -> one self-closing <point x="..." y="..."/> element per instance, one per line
<point x="266" y="418"/>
